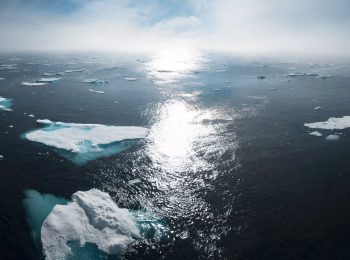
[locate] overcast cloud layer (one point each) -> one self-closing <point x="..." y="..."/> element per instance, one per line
<point x="242" y="26"/>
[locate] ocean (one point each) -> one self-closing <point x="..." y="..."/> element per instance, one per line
<point x="227" y="170"/>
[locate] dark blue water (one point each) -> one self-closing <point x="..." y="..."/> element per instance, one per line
<point x="228" y="165"/>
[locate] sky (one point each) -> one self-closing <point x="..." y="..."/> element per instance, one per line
<point x="254" y="27"/>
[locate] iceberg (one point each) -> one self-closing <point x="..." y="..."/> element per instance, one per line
<point x="331" y="124"/>
<point x="81" y="143"/>
<point x="5" y="104"/>
<point x="91" y="226"/>
<point x="48" y="80"/>
<point x="34" y="83"/>
<point x="91" y="217"/>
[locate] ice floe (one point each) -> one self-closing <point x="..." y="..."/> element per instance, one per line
<point x="48" y="80"/>
<point x="88" y="227"/>
<point x="318" y="108"/>
<point x="1" y="78"/>
<point x="316" y="133"/>
<point x="95" y="81"/>
<point x="84" y="142"/>
<point x="97" y="91"/>
<point x="34" y="83"/>
<point x="91" y="217"/>
<point x="302" y="74"/>
<point x="130" y="79"/>
<point x="331" y="124"/>
<point x="77" y="70"/>
<point x="332" y="137"/>
<point x="50" y="74"/>
<point x="5" y="104"/>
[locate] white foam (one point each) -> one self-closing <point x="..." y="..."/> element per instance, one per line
<point x="96" y="91"/>
<point x="331" y="124"/>
<point x="48" y="79"/>
<point x="91" y="217"/>
<point x="71" y="136"/>
<point x="316" y="133"/>
<point x="34" y="83"/>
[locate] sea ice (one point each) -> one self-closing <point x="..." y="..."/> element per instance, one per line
<point x="48" y="80"/>
<point x="1" y="78"/>
<point x="130" y="79"/>
<point x="84" y="142"/>
<point x="332" y="137"/>
<point x="91" y="217"/>
<point x="331" y="124"/>
<point x="77" y="70"/>
<point x="34" y="83"/>
<point x="96" y="91"/>
<point x="316" y="133"/>
<point x="5" y="104"/>
<point x="96" y="81"/>
<point x="89" y="227"/>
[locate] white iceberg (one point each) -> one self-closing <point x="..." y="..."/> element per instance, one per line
<point x="34" y="83"/>
<point x="331" y="124"/>
<point x="84" y="142"/>
<point x="5" y="104"/>
<point x="91" y="217"/>
<point x="48" y="80"/>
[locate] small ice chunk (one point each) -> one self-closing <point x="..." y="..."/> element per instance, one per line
<point x="332" y="137"/>
<point x="273" y="88"/>
<point x="48" y="80"/>
<point x="34" y="83"/>
<point x="31" y="115"/>
<point x="77" y="70"/>
<point x="216" y="89"/>
<point x="1" y="157"/>
<point x="95" y="81"/>
<point x="302" y="74"/>
<point x="318" y="108"/>
<point x="134" y="181"/>
<point x="10" y="126"/>
<point x="316" y="133"/>
<point x="130" y="79"/>
<point x="1" y="78"/>
<point x="96" y="91"/>
<point x="331" y="124"/>
<point x="261" y="77"/>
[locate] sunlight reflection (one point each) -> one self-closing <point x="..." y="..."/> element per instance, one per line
<point x="184" y="138"/>
<point x="171" y="65"/>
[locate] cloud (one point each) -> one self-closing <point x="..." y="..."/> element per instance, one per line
<point x="243" y="26"/>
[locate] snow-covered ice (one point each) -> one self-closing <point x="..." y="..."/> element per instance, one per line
<point x="315" y="133"/>
<point x="130" y="79"/>
<point x="97" y="91"/>
<point x="331" y="124"/>
<point x="48" y="79"/>
<point x="34" y="83"/>
<point x="84" y="142"/>
<point x="91" y="217"/>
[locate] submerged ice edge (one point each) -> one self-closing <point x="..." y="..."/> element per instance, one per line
<point x="82" y="143"/>
<point x="5" y="104"/>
